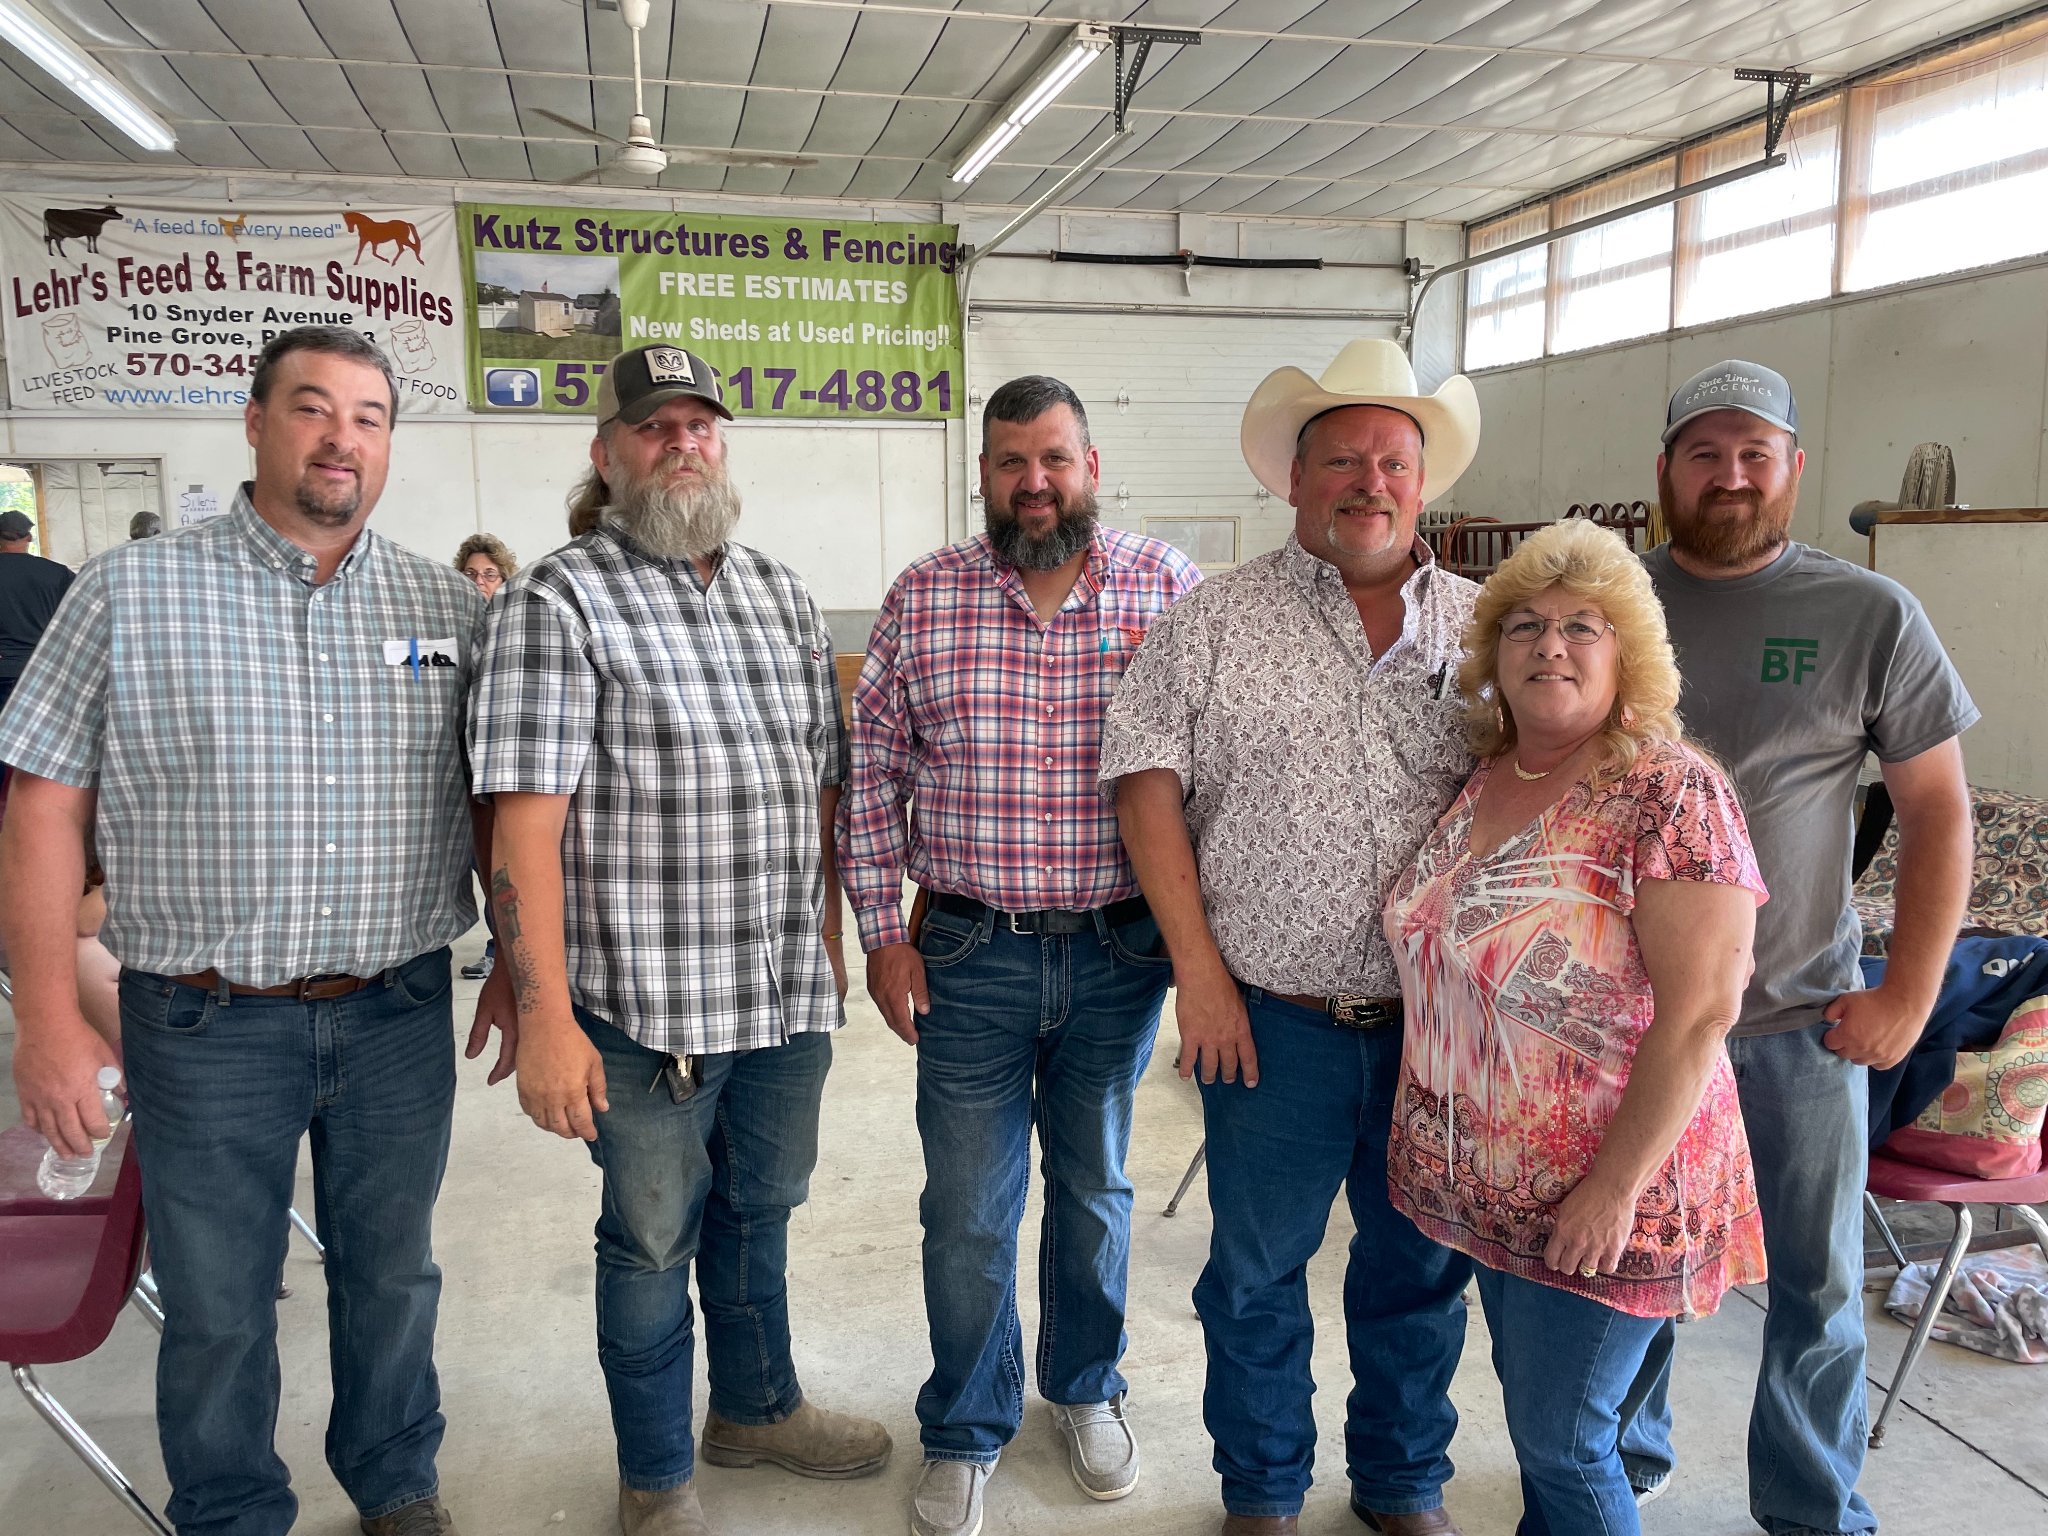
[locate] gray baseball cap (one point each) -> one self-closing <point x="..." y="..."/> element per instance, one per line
<point x="15" y="525"/>
<point x="639" y="382"/>
<point x="1734" y="385"/>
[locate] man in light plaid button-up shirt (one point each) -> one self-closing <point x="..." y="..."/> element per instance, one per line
<point x="657" y="722"/>
<point x="260" y="717"/>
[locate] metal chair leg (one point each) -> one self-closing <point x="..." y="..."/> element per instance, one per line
<point x="67" y="1427"/>
<point x="145" y="1299"/>
<point x="1930" y="1309"/>
<point x="2035" y="1223"/>
<point x="1884" y="1229"/>
<point x="306" y="1231"/>
<point x="1194" y="1167"/>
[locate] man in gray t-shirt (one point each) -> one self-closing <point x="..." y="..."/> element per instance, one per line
<point x="1797" y="664"/>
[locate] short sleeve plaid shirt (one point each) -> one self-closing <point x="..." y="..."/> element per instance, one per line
<point x="691" y="726"/>
<point x="281" y="792"/>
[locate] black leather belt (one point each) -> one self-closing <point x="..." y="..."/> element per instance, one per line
<point x="1116" y="914"/>
<point x="1348" y="1010"/>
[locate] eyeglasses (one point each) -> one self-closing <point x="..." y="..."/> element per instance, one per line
<point x="1577" y="628"/>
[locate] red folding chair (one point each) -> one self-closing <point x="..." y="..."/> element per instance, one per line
<point x="1896" y="1179"/>
<point x="67" y="1267"/>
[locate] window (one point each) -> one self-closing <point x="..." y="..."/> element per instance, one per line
<point x="1768" y="240"/>
<point x="1956" y="166"/>
<point x="1615" y="281"/>
<point x="1504" y="299"/>
<point x="1926" y="169"/>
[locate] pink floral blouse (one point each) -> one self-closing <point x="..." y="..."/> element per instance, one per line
<point x="1526" y="998"/>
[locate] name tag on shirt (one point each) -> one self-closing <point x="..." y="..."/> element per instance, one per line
<point x="431" y="653"/>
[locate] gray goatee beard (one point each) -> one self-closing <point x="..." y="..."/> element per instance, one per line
<point x="675" y="520"/>
<point x="1049" y="551"/>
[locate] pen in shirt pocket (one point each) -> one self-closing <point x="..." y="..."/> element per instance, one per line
<point x="412" y="648"/>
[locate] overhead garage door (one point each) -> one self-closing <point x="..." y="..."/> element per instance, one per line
<point x="1164" y="395"/>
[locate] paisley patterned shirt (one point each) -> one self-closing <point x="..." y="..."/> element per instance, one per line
<point x="1311" y="768"/>
<point x="1527" y="999"/>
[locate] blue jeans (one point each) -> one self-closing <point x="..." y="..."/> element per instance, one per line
<point x="712" y="1179"/>
<point x="1806" y="1112"/>
<point x="1565" y="1364"/>
<point x="1277" y="1154"/>
<point x="220" y="1092"/>
<point x="1025" y="1031"/>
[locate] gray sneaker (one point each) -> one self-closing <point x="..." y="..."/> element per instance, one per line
<point x="947" y="1499"/>
<point x="1101" y="1450"/>
<point x="662" y="1512"/>
<point x="424" y="1518"/>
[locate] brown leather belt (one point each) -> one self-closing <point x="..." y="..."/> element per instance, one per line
<point x="309" y="989"/>
<point x="1349" y="1010"/>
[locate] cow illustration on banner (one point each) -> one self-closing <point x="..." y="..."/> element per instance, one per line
<point x="146" y="307"/>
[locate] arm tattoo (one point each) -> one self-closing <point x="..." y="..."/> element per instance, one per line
<point x="505" y="898"/>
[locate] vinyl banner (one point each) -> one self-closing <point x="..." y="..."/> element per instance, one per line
<point x="821" y="320"/>
<point x="143" y="308"/>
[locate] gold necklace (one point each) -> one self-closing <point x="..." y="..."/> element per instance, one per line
<point x="1524" y="775"/>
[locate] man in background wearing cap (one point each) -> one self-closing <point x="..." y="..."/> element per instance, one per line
<point x="1033" y="990"/>
<point x="1281" y="744"/>
<point x="658" y="723"/>
<point x="30" y="589"/>
<point x="1796" y="664"/>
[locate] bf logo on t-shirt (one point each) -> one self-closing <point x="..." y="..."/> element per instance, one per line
<point x="1788" y="660"/>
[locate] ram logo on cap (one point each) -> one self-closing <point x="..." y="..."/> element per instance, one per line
<point x="670" y="365"/>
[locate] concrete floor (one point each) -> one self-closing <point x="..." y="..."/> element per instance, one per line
<point x="529" y="1446"/>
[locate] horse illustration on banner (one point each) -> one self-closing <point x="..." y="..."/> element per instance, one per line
<point x="371" y="233"/>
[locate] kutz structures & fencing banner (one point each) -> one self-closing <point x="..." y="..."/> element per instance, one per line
<point x="813" y="319"/>
<point x="141" y="307"/>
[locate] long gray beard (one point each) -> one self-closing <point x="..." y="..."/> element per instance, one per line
<point x="685" y="521"/>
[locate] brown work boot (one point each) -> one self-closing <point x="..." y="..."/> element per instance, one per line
<point x="811" y="1441"/>
<point x="1260" y="1525"/>
<point x="1423" y="1522"/>
<point x="423" y="1517"/>
<point x="662" y="1511"/>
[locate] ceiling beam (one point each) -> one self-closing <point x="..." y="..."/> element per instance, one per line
<point x="586" y="77"/>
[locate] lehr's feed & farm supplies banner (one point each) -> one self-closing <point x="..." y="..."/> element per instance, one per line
<point x="804" y="319"/>
<point x="151" y="307"/>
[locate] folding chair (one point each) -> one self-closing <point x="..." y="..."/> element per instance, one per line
<point x="67" y="1267"/>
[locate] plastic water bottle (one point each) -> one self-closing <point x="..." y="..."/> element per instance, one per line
<point x="66" y="1178"/>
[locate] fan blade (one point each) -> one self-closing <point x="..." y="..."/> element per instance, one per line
<point x="740" y="159"/>
<point x="575" y="127"/>
<point x="593" y="174"/>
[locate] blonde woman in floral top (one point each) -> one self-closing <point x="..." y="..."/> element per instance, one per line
<point x="1573" y="941"/>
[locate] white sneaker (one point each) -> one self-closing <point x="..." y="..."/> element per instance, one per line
<point x="1100" y="1447"/>
<point x="1646" y="1493"/>
<point x="947" y="1498"/>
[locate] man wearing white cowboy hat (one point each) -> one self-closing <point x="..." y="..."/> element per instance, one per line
<point x="1281" y="743"/>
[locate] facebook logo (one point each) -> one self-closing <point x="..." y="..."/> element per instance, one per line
<point x="517" y="388"/>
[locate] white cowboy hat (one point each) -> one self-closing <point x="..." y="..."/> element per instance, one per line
<point x="1372" y="371"/>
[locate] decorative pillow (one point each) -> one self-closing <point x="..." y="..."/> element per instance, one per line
<point x="1987" y="1123"/>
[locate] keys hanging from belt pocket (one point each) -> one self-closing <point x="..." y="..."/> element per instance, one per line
<point x="680" y="1075"/>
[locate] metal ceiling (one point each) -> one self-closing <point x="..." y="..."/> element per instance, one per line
<point x="1345" y="109"/>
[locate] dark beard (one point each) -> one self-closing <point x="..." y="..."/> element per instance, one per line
<point x="1721" y="542"/>
<point x="333" y="511"/>
<point x="686" y="521"/>
<point x="1069" y="536"/>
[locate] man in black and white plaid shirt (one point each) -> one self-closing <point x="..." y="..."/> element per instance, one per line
<point x="657" y="722"/>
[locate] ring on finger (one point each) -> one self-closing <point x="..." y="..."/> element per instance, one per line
<point x="1588" y="1272"/>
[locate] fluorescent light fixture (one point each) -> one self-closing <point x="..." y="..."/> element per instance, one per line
<point x="40" y="38"/>
<point x="1081" y="49"/>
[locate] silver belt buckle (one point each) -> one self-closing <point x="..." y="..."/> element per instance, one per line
<point x="1356" y="1011"/>
<point x="1010" y="922"/>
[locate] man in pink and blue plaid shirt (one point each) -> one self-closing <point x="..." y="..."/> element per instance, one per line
<point x="1032" y="987"/>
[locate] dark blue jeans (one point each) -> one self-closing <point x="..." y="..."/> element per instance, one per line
<point x="1025" y="1031"/>
<point x="710" y="1180"/>
<point x="220" y="1093"/>
<point x="1565" y="1364"/>
<point x="1277" y="1153"/>
<point x="1806" y="1111"/>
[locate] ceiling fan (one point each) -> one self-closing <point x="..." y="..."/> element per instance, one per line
<point x="638" y="154"/>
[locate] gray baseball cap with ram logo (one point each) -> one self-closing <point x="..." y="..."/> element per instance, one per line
<point x="1734" y="385"/>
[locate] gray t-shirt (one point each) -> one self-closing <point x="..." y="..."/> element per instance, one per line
<point x="1791" y="675"/>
